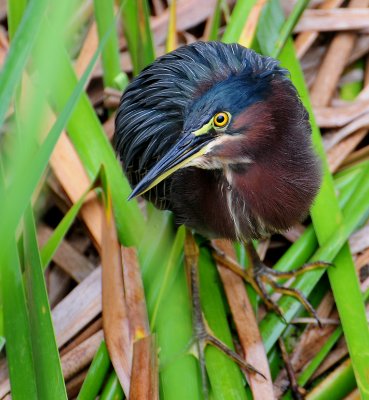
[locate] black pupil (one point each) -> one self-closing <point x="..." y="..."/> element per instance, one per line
<point x="220" y="119"/>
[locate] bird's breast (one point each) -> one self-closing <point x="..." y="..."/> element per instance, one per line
<point x="207" y="201"/>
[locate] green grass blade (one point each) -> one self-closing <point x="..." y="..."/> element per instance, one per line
<point x="131" y="32"/>
<point x="336" y="385"/>
<point x="21" y="189"/>
<point x="237" y="21"/>
<point x="146" y="50"/>
<point x="288" y="26"/>
<point x="96" y="374"/>
<point x="169" y="274"/>
<point x="215" y="21"/>
<point x="136" y="24"/>
<point x="106" y="22"/>
<point x="49" y="376"/>
<point x="112" y="389"/>
<point x="225" y="376"/>
<point x="174" y="333"/>
<point x="19" y="52"/>
<point x="17" y="329"/>
<point x="174" y="312"/>
<point x="15" y="13"/>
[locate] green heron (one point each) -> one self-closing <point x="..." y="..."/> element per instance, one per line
<point x="217" y="134"/>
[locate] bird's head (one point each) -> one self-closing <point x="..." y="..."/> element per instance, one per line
<point x="213" y="106"/>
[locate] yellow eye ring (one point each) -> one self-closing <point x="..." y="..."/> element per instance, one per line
<point x="221" y="119"/>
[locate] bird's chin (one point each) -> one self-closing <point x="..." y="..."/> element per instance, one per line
<point x="206" y="162"/>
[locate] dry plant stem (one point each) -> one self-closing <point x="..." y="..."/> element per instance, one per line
<point x="115" y="312"/>
<point x="335" y="137"/>
<point x="334" y="63"/>
<point x="341" y="19"/>
<point x="355" y="395"/>
<point x="338" y="116"/>
<point x="66" y="257"/>
<point x="356" y="157"/>
<point x="246" y="325"/>
<point x="340" y="351"/>
<point x="81" y="356"/>
<point x="145" y="374"/>
<point x="134" y="294"/>
<point x="338" y="153"/>
<point x="144" y="382"/>
<point x="78" y="308"/>
<point x="305" y="39"/>
<point x="85" y="334"/>
<point x="309" y="343"/>
<point x="186" y="17"/>
<point x="298" y="393"/>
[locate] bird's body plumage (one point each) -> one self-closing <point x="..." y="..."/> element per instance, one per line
<point x="257" y="176"/>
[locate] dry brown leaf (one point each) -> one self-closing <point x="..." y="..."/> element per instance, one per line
<point x="359" y="241"/>
<point x="355" y="395"/>
<point x="88" y="49"/>
<point x="332" y="117"/>
<point x="4" y="388"/>
<point x="58" y="284"/>
<point x="362" y="259"/>
<point x="339" y="152"/>
<point x="78" y="309"/>
<point x="115" y="311"/>
<point x="81" y="356"/>
<point x="135" y="295"/>
<point x="356" y="157"/>
<point x="332" y="138"/>
<point x="361" y="48"/>
<point x="305" y="39"/>
<point x="189" y="13"/>
<point x="247" y="327"/>
<point x="337" y="354"/>
<point x="145" y="381"/>
<point x="66" y="257"/>
<point x="334" y="62"/>
<point x="85" y="334"/>
<point x="309" y="343"/>
<point x="340" y="19"/>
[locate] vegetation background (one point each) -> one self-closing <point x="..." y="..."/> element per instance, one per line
<point x="67" y="229"/>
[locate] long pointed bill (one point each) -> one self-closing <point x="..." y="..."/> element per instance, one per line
<point x="189" y="147"/>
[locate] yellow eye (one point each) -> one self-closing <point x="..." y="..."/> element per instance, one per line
<point x="221" y="119"/>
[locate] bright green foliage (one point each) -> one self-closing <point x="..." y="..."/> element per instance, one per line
<point x="49" y="377"/>
<point x="96" y="374"/>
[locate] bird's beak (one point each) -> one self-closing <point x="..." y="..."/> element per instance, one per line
<point x="189" y="147"/>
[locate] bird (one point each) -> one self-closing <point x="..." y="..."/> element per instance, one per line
<point x="217" y="134"/>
